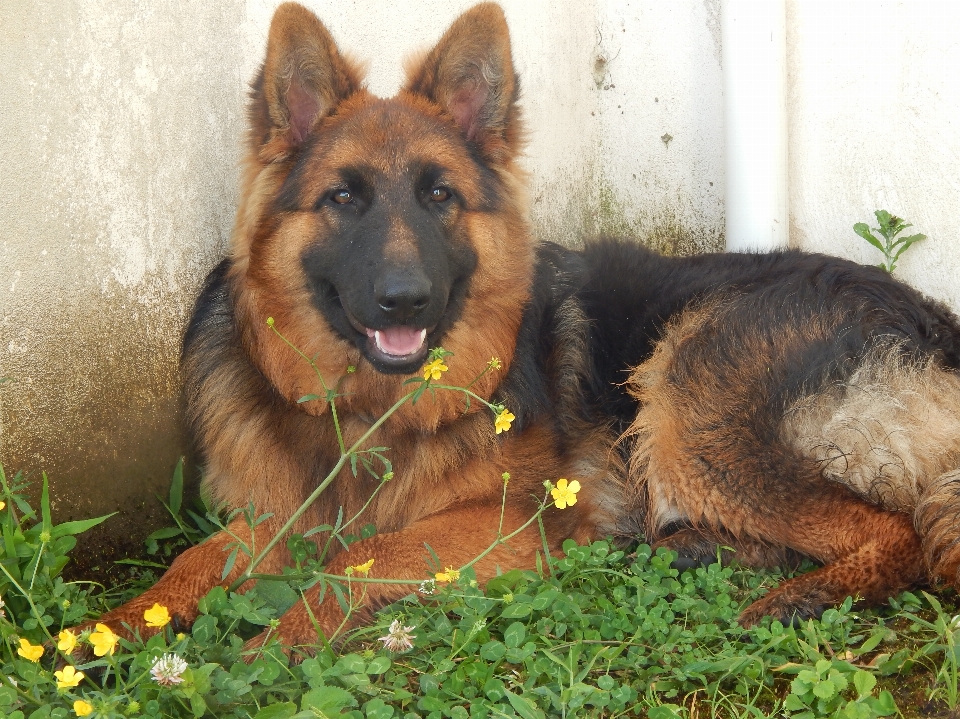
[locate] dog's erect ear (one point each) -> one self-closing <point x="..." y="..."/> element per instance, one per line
<point x="470" y="74"/>
<point x="303" y="78"/>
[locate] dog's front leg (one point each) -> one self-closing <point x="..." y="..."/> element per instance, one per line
<point x="191" y="576"/>
<point x="456" y="536"/>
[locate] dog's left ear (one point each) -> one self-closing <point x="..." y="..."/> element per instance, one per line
<point x="303" y="78"/>
<point x="470" y="74"/>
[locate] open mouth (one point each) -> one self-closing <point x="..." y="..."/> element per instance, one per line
<point x="400" y="348"/>
<point x="401" y="343"/>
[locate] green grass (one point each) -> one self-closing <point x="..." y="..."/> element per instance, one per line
<point x="598" y="633"/>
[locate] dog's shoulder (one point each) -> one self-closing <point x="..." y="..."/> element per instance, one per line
<point x="552" y="358"/>
<point x="211" y="332"/>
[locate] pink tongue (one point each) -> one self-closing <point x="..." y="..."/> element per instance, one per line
<point x="399" y="341"/>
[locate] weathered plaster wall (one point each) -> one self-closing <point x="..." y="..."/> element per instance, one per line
<point x="119" y="141"/>
<point x="118" y="127"/>
<point x="659" y="154"/>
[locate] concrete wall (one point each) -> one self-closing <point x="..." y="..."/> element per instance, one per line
<point x="119" y="133"/>
<point x="659" y="149"/>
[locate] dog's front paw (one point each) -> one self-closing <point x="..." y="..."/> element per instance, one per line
<point x="788" y="608"/>
<point x="297" y="645"/>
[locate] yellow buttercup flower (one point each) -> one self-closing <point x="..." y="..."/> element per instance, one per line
<point x="3" y="505"/>
<point x="104" y="641"/>
<point x="449" y="574"/>
<point x="565" y="493"/>
<point x="364" y="568"/>
<point x="33" y="652"/>
<point x="157" y="616"/>
<point x="494" y="363"/>
<point x="68" y="641"/>
<point x="68" y="677"/>
<point x="434" y="368"/>
<point x="82" y="708"/>
<point x="503" y="420"/>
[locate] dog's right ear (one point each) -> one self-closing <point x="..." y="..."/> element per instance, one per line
<point x="303" y="78"/>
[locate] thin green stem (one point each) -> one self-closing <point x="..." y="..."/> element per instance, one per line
<point x="364" y="507"/>
<point x="546" y="545"/>
<point x="477" y="378"/>
<point x="341" y="463"/>
<point x="351" y="607"/>
<point x="326" y="390"/>
<point x="26" y="595"/>
<point x="350" y="521"/>
<point x="36" y="562"/>
<point x="465" y="391"/>
<point x="339" y="577"/>
<point x="503" y="540"/>
<point x="316" y="624"/>
<point x="503" y="506"/>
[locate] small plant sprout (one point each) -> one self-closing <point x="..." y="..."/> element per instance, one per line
<point x="891" y="246"/>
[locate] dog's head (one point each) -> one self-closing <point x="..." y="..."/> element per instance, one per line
<point x="373" y="229"/>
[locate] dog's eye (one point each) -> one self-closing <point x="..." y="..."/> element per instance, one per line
<point x="342" y="197"/>
<point x="439" y="194"/>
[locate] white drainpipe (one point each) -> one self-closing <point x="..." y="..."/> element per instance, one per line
<point x="753" y="34"/>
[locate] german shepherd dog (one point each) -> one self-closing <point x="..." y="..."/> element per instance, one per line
<point x="784" y="405"/>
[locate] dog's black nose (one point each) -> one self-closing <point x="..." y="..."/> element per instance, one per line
<point x="403" y="295"/>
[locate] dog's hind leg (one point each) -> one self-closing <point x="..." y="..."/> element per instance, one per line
<point x="719" y="444"/>
<point x="891" y="434"/>
<point x="868" y="553"/>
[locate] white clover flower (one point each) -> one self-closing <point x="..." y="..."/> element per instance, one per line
<point x="398" y="639"/>
<point x="3" y="614"/>
<point x="428" y="587"/>
<point x="168" y="670"/>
